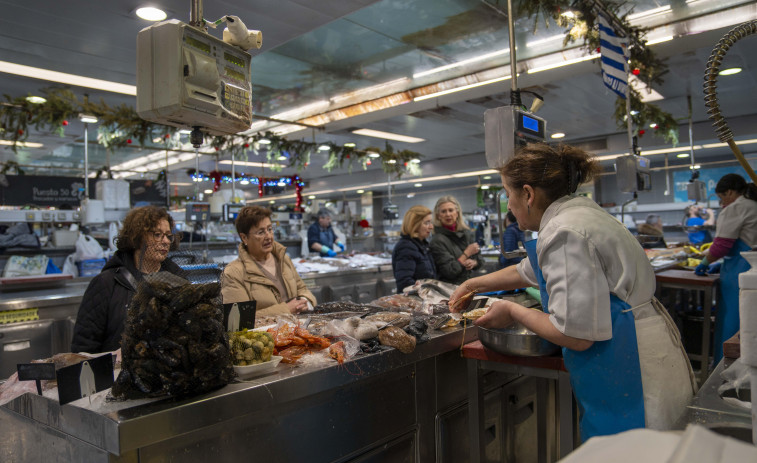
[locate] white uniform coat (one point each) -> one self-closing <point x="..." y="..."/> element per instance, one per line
<point x="738" y="220"/>
<point x="585" y="254"/>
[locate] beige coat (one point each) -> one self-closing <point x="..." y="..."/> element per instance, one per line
<point x="243" y="281"/>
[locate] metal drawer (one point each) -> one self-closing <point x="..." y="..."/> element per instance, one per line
<point x="24" y="342"/>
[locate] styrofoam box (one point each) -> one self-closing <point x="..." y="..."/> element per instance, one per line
<point x="64" y="238"/>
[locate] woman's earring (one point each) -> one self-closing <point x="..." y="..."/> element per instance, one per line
<point x="528" y="206"/>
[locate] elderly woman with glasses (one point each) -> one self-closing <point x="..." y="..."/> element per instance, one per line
<point x="142" y="246"/>
<point x="263" y="272"/>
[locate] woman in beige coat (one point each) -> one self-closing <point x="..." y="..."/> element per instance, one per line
<point x="263" y="272"/>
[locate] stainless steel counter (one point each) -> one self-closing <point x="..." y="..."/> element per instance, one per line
<point x="380" y="407"/>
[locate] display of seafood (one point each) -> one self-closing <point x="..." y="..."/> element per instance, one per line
<point x="431" y="291"/>
<point x="250" y="347"/>
<point x="393" y="336"/>
<point x="345" y="306"/>
<point x="13" y="388"/>
<point x="292" y="342"/>
<point x="398" y="319"/>
<point x="174" y="342"/>
<point x="399" y="302"/>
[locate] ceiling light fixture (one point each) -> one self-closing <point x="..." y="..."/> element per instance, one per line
<point x="40" y="100"/>
<point x="264" y="141"/>
<point x="553" y="38"/>
<point x="487" y="177"/>
<point x="208" y="192"/>
<point x="418" y="185"/>
<point x="324" y="148"/>
<point x="391" y="161"/>
<point x="360" y="192"/>
<point x="282" y="158"/>
<point x="562" y="63"/>
<point x="349" y="145"/>
<point x="63" y="78"/>
<point x="695" y="167"/>
<point x="647" y="94"/>
<point x="249" y="163"/>
<point x="149" y="13"/>
<point x="415" y="161"/>
<point x="484" y="187"/>
<point x="271" y="202"/>
<point x="666" y="38"/>
<point x="460" y="89"/>
<point x="185" y="131"/>
<point x="22" y="144"/>
<point x="311" y="197"/>
<point x="462" y="63"/>
<point x="411" y="195"/>
<point x="88" y="119"/>
<point x="372" y="154"/>
<point x="682" y="155"/>
<point x="729" y="71"/>
<point x="558" y="135"/>
<point x="387" y="135"/>
<point x="244" y="182"/>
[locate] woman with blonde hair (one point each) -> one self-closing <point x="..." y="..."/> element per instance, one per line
<point x="453" y="248"/>
<point x="411" y="258"/>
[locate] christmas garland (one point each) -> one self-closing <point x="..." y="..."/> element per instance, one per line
<point x="121" y="126"/>
<point x="644" y="64"/>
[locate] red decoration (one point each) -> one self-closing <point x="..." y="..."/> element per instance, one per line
<point x="218" y="149"/>
<point x="298" y="191"/>
<point x="64" y="123"/>
<point x="167" y="135"/>
<point x="128" y="141"/>
<point x="246" y="145"/>
<point x="642" y="132"/>
<point x="598" y="50"/>
<point x="368" y="162"/>
<point x="216" y="176"/>
<point x="636" y="72"/>
<point x="20" y="132"/>
<point x="348" y="156"/>
<point x="261" y="180"/>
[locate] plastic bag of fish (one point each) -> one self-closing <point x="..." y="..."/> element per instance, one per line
<point x="174" y="342"/>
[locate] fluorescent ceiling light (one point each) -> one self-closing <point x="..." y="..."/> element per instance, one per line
<point x="40" y="100"/>
<point x="324" y="148"/>
<point x="729" y="71"/>
<point x="311" y="197"/>
<point x="460" y="89"/>
<point x="682" y="155"/>
<point x="149" y="13"/>
<point x="360" y="192"/>
<point x="248" y="163"/>
<point x="87" y="119"/>
<point x="418" y="185"/>
<point x="484" y="187"/>
<point x="22" y="144"/>
<point x="461" y="63"/>
<point x="415" y="161"/>
<point x="562" y="63"/>
<point x="63" y="78"/>
<point x="739" y="142"/>
<point x="181" y="184"/>
<point x="374" y="90"/>
<point x="387" y="135"/>
<point x="185" y="131"/>
<point x="474" y="173"/>
<point x="349" y="145"/>
<point x="558" y="135"/>
<point x="208" y="192"/>
<point x="272" y="202"/>
<point x="391" y="161"/>
<point x="667" y="38"/>
<point x="697" y="166"/>
<point x="302" y="111"/>
<point x="244" y="182"/>
<point x="554" y="38"/>
<point x="646" y="14"/>
<point x="666" y="150"/>
<point x="264" y="141"/>
<point x="647" y="94"/>
<point x="372" y="154"/>
<point x="282" y="158"/>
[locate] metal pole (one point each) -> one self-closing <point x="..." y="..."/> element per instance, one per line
<point x="233" y="180"/>
<point x="86" y="162"/>
<point x="198" y="177"/>
<point x="691" y="134"/>
<point x="513" y="61"/>
<point x="168" y="185"/>
<point x="629" y="125"/>
<point x="195" y="14"/>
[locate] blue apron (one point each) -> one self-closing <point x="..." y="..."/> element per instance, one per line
<point x="727" y="315"/>
<point x="326" y="237"/>
<point x="606" y="378"/>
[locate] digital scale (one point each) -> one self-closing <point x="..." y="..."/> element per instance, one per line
<point x="506" y="129"/>
<point x="188" y="78"/>
<point x="197" y="212"/>
<point x="633" y="173"/>
<point x="230" y="211"/>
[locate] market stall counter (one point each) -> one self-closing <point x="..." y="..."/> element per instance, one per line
<point x="386" y="406"/>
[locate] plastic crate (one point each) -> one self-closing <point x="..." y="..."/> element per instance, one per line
<point x="90" y="267"/>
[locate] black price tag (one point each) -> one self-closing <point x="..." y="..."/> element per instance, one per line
<point x="85" y="378"/>
<point x="239" y="315"/>
<point x="36" y="372"/>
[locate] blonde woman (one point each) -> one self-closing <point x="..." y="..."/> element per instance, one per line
<point x="411" y="258"/>
<point x="453" y="247"/>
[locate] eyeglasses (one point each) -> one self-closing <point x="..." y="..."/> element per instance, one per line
<point x="157" y="236"/>
<point x="260" y="234"/>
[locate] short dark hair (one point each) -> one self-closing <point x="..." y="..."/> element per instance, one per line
<point x="138" y="223"/>
<point x="250" y="216"/>
<point x="511" y="217"/>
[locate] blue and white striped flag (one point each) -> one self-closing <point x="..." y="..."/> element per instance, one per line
<point x="614" y="52"/>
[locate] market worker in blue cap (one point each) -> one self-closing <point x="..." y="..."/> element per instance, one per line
<point x="626" y="362"/>
<point x="735" y="233"/>
<point x="321" y="236"/>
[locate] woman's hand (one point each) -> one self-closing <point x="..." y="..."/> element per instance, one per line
<point x="469" y="264"/>
<point x="472" y="249"/>
<point x="297" y="305"/>
<point x="498" y="315"/>
<point x="461" y="291"/>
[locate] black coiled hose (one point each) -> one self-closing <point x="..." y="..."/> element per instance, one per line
<point x="711" y="83"/>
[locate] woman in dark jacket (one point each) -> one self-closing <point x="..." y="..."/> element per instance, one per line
<point x="142" y="247"/>
<point x="411" y="259"/>
<point x="453" y="247"/>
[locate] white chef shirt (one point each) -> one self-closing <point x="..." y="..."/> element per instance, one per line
<point x="738" y="220"/>
<point x="585" y="254"/>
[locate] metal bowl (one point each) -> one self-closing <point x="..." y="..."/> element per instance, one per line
<point x="516" y="339"/>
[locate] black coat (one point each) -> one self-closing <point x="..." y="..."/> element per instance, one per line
<point x="102" y="313"/>
<point x="446" y="247"/>
<point x="411" y="261"/>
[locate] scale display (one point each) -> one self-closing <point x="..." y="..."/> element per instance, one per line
<point x="187" y="78"/>
<point x="506" y="129"/>
<point x="197" y="212"/>
<point x="230" y="212"/>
